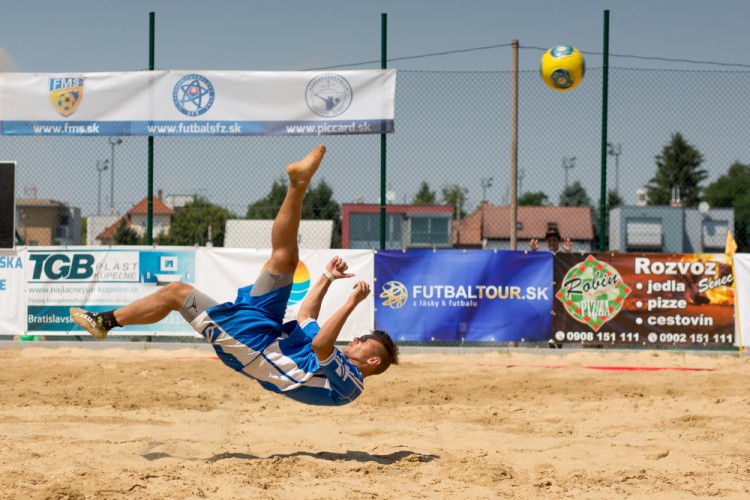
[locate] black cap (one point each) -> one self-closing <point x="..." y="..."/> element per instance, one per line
<point x="552" y="232"/>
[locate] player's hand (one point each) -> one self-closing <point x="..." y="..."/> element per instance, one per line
<point x="361" y="291"/>
<point x="337" y="267"/>
<point x="534" y="244"/>
<point x="567" y="245"/>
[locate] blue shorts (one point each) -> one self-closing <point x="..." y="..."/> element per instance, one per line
<point x="253" y="321"/>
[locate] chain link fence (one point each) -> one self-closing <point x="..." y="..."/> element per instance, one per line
<point x="677" y="171"/>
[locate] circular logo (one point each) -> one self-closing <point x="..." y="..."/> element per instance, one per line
<point x="193" y="95"/>
<point x="328" y="95"/>
<point x="395" y="295"/>
<point x="561" y="51"/>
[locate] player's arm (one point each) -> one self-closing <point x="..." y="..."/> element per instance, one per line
<point x="324" y="341"/>
<point x="310" y="307"/>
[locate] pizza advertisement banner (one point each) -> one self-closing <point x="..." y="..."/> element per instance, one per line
<point x="646" y="300"/>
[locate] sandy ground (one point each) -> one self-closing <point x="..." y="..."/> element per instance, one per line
<point x="117" y="423"/>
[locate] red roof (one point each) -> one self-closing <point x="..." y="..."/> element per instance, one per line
<point x="493" y="222"/>
<point x="140" y="208"/>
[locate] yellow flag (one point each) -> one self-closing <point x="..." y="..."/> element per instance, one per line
<point x="731" y="246"/>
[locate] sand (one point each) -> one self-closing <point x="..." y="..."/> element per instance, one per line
<point x="123" y="423"/>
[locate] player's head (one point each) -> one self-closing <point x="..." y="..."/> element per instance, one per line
<point x="553" y="239"/>
<point x="372" y="353"/>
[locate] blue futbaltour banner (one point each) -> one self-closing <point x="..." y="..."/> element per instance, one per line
<point x="475" y="295"/>
<point x="204" y="103"/>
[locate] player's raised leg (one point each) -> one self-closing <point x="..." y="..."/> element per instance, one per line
<point x="285" y="253"/>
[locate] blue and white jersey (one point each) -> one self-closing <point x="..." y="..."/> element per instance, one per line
<point x="279" y="357"/>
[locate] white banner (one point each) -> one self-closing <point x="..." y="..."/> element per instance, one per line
<point x="221" y="271"/>
<point x="101" y="279"/>
<point x="159" y="103"/>
<point x="12" y="295"/>
<point x="742" y="298"/>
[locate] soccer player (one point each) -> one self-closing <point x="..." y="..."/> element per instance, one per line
<point x="297" y="359"/>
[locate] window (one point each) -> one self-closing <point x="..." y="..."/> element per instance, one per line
<point x="714" y="235"/>
<point x="430" y="231"/>
<point x="364" y="230"/>
<point x="644" y="235"/>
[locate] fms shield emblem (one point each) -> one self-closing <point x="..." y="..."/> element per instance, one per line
<point x="328" y="95"/>
<point x="593" y="292"/>
<point x="66" y="94"/>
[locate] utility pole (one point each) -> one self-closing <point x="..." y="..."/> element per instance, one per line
<point x="567" y="164"/>
<point x="615" y="150"/>
<point x="486" y="183"/>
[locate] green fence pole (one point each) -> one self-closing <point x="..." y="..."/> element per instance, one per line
<point x="605" y="103"/>
<point x="383" y="65"/>
<point x="150" y="213"/>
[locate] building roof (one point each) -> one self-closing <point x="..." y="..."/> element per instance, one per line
<point x="395" y="209"/>
<point x="38" y="202"/>
<point x="492" y="222"/>
<point x="159" y="207"/>
<point x="140" y="208"/>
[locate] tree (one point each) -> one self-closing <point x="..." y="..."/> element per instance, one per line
<point x="125" y="235"/>
<point x="424" y="196"/>
<point x="318" y="205"/>
<point x="190" y="225"/>
<point x="614" y="199"/>
<point x="677" y="166"/>
<point x="84" y="226"/>
<point x="268" y="206"/>
<point x="533" y="199"/>
<point x="455" y="196"/>
<point x="733" y="191"/>
<point x="574" y="195"/>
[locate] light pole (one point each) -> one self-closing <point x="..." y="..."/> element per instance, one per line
<point x="615" y="150"/>
<point x="486" y="183"/>
<point x="113" y="141"/>
<point x="567" y="164"/>
<point x="101" y="166"/>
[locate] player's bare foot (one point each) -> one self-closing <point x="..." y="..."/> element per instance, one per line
<point x="301" y="172"/>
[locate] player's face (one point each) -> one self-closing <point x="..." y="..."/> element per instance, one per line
<point x="362" y="348"/>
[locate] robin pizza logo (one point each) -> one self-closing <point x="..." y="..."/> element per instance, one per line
<point x="66" y="94"/>
<point x="593" y="292"/>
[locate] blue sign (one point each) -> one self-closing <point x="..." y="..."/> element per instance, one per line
<point x="456" y="295"/>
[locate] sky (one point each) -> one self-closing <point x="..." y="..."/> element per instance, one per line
<point x="287" y="35"/>
<point x="281" y="35"/>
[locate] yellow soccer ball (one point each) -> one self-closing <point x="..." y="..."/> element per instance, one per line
<point x="562" y="68"/>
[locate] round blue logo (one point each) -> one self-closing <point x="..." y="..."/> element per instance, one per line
<point x="193" y="95"/>
<point x="561" y="51"/>
<point x="328" y="95"/>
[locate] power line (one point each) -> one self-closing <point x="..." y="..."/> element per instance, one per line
<point x="543" y="49"/>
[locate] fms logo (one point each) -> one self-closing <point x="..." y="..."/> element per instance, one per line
<point x="193" y="95"/>
<point x="394" y="294"/>
<point x="66" y="94"/>
<point x="328" y="95"/>
<point x="593" y="292"/>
